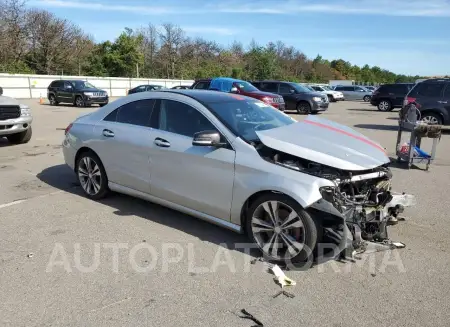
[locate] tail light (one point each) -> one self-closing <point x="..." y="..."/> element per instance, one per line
<point x="67" y="129"/>
<point x="409" y="100"/>
<point x="268" y="100"/>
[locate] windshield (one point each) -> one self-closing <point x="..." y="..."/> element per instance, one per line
<point x="245" y="117"/>
<point x="302" y="88"/>
<point x="326" y="88"/>
<point x="83" y="85"/>
<point x="245" y="86"/>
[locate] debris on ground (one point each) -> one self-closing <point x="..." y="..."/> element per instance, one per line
<point x="30" y="255"/>
<point x="287" y="294"/>
<point x="281" y="278"/>
<point x="247" y="315"/>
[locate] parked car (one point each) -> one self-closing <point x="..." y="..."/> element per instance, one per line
<point x="15" y="120"/>
<point x="181" y="87"/>
<point x="370" y="88"/>
<point x="78" y="92"/>
<point x="144" y="88"/>
<point x="354" y="92"/>
<point x="236" y="86"/>
<point x="332" y="95"/>
<point x="390" y="96"/>
<point x="296" y="96"/>
<point x="239" y="163"/>
<point x="432" y="98"/>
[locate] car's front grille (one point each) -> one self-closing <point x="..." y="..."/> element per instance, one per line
<point x="99" y="94"/>
<point x="9" y="112"/>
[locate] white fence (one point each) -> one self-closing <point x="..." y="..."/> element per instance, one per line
<point x="33" y="86"/>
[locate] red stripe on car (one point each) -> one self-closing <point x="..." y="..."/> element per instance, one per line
<point x="337" y="130"/>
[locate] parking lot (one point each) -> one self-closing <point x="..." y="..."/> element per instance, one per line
<point x="43" y="214"/>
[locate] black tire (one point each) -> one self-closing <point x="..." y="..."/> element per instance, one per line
<point x="433" y="118"/>
<point x="103" y="189"/>
<point x="20" y="138"/>
<point x="384" y="105"/>
<point x="310" y="228"/>
<point x="366" y="98"/>
<point x="52" y="100"/>
<point x="303" y="108"/>
<point x="103" y="104"/>
<point x="331" y="98"/>
<point x="79" y="101"/>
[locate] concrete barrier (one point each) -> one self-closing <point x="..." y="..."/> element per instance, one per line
<point x="22" y="86"/>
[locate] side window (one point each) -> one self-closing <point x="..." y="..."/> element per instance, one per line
<point x="398" y="89"/>
<point x="257" y="85"/>
<point x="285" y="88"/>
<point x="202" y="85"/>
<point x="339" y="88"/>
<point x="270" y="87"/>
<point x="358" y="89"/>
<point x="134" y="113"/>
<point x="67" y="85"/>
<point x="179" y="118"/>
<point x="141" y="88"/>
<point x="316" y="88"/>
<point x="429" y="89"/>
<point x="348" y="88"/>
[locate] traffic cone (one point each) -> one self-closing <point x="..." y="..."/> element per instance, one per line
<point x="41" y="100"/>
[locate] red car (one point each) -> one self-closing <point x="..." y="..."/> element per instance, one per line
<point x="231" y="85"/>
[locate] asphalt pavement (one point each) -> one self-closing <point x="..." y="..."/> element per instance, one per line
<point x="69" y="261"/>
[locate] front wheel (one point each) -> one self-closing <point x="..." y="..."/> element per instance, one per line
<point x="79" y="102"/>
<point x="103" y="104"/>
<point x="20" y="138"/>
<point x="281" y="228"/>
<point x="331" y="98"/>
<point x="303" y="108"/>
<point x="92" y="176"/>
<point x="366" y="98"/>
<point x="52" y="100"/>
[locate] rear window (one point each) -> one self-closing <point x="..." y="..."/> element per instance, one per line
<point x="428" y="89"/>
<point x="394" y="88"/>
<point x="56" y="84"/>
<point x="202" y="85"/>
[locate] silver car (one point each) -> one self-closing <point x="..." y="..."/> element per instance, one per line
<point x="241" y="164"/>
<point x="354" y="92"/>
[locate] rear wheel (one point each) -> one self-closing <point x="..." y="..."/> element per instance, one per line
<point x="384" y="105"/>
<point x="20" y="138"/>
<point x="432" y="118"/>
<point x="281" y="228"/>
<point x="92" y="175"/>
<point x="303" y="108"/>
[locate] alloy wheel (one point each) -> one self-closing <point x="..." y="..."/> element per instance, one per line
<point x="79" y="102"/>
<point x="431" y="120"/>
<point x="366" y="98"/>
<point x="52" y="100"/>
<point x="89" y="175"/>
<point x="384" y="106"/>
<point x="278" y="230"/>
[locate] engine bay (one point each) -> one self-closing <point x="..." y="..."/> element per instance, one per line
<point x="364" y="198"/>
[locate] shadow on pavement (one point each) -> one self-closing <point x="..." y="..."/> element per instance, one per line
<point x="63" y="178"/>
<point x="362" y="109"/>
<point x="377" y="127"/>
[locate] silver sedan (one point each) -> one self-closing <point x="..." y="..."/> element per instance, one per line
<point x="228" y="159"/>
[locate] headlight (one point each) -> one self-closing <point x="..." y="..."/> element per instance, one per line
<point x="89" y="94"/>
<point x="25" y="111"/>
<point x="317" y="99"/>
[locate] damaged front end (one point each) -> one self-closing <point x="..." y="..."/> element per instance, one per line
<point x="357" y="209"/>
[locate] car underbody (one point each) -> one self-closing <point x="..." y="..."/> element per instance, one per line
<point x="359" y="207"/>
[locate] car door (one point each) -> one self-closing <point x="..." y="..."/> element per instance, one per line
<point x="347" y="91"/>
<point x="124" y="139"/>
<point x="397" y="93"/>
<point x="197" y="177"/>
<point x="66" y="92"/>
<point x="289" y="95"/>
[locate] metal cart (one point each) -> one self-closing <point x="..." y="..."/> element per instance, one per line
<point x="408" y="123"/>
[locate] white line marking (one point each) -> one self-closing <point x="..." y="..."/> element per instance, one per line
<point x="5" y="205"/>
<point x="11" y="203"/>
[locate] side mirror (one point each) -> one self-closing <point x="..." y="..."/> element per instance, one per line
<point x="292" y="91"/>
<point x="234" y="89"/>
<point x="1" y="91"/>
<point x="207" y="138"/>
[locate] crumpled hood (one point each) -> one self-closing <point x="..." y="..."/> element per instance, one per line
<point x="326" y="142"/>
<point x="8" y="101"/>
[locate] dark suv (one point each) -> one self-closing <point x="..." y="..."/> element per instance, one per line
<point x="390" y="96"/>
<point x="78" y="92"/>
<point x="296" y="96"/>
<point x="432" y="98"/>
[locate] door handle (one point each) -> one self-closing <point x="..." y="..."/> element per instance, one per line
<point x="162" y="143"/>
<point x="108" y="133"/>
<point x="442" y="102"/>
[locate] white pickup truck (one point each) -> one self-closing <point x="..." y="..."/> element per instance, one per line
<point x="15" y="120"/>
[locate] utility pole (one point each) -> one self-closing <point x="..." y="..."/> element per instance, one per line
<point x="137" y="70"/>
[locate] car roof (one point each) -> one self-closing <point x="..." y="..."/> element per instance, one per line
<point x="444" y="80"/>
<point x="273" y="81"/>
<point x="208" y="96"/>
